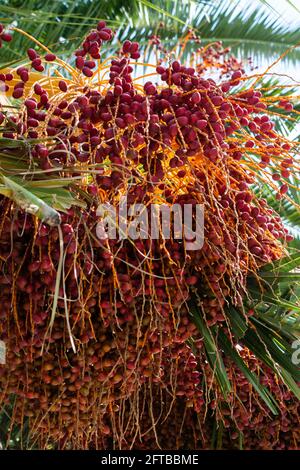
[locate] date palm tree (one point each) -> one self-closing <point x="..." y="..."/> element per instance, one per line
<point x="62" y="25"/>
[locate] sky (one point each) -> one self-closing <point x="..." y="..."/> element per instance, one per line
<point x="280" y="9"/>
<point x="284" y="12"/>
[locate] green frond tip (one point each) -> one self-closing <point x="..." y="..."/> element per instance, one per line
<point x="213" y="354"/>
<point x="29" y="202"/>
<point x="231" y="352"/>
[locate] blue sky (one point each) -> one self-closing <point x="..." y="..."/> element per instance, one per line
<point x="281" y="9"/>
<point x="285" y="13"/>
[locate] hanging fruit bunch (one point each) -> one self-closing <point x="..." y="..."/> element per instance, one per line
<point x="102" y="349"/>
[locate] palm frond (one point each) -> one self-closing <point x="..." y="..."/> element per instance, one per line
<point x="255" y="34"/>
<point x="213" y="355"/>
<point x="269" y="333"/>
<point x="286" y="209"/>
<point x="63" y="24"/>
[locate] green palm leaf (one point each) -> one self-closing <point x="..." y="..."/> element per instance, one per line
<point x="268" y="334"/>
<point x="63" y="24"/>
<point x="231" y="352"/>
<point x="213" y="355"/>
